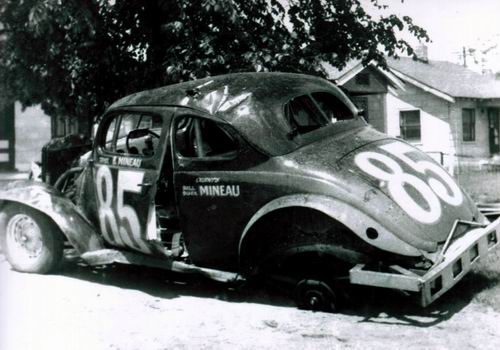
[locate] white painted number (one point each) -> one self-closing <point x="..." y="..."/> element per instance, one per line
<point x="439" y="185"/>
<point x="104" y="183"/>
<point x="121" y="233"/>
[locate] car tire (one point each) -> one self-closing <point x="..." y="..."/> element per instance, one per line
<point x="31" y="241"/>
<point x="315" y="295"/>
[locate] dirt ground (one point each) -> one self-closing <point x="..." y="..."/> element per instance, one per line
<point x="126" y="307"/>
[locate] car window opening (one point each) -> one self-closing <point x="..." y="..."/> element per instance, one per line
<point x="202" y="138"/>
<point x="133" y="134"/>
<point x="310" y="112"/>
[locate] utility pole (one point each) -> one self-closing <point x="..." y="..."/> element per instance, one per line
<point x="464" y="54"/>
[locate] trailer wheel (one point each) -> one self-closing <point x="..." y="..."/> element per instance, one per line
<point x="316" y="295"/>
<point x="31" y="242"/>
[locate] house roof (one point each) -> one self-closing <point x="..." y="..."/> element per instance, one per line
<point x="444" y="79"/>
<point x="352" y="68"/>
<point x="449" y="78"/>
<point x="333" y="73"/>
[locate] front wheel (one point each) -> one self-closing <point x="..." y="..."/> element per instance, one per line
<point x="31" y="241"/>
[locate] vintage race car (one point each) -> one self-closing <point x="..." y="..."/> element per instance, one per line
<point x="253" y="174"/>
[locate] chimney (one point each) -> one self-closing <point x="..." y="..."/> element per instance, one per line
<point x="421" y="52"/>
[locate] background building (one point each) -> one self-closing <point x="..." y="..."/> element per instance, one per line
<point x="23" y="132"/>
<point x="445" y="109"/>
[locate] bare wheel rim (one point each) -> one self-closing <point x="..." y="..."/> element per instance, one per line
<point x="314" y="299"/>
<point x="315" y="295"/>
<point x="24" y="237"/>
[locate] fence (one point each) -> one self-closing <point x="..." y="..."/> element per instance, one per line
<point x="457" y="163"/>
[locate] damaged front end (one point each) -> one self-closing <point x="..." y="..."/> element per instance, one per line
<point x="65" y="215"/>
<point x="59" y="155"/>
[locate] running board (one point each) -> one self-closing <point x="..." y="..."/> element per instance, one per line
<point x="110" y="256"/>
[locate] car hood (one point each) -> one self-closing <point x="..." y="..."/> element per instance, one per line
<point x="391" y="181"/>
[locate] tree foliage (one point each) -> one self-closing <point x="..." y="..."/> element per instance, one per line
<point x="75" y="57"/>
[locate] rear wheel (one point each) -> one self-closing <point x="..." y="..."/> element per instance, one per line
<point x="317" y="281"/>
<point x="316" y="295"/>
<point x="32" y="243"/>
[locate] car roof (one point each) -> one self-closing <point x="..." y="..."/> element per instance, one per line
<point x="251" y="102"/>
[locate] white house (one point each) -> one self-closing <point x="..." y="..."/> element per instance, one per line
<point x="447" y="110"/>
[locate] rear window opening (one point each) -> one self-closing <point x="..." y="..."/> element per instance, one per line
<point x="310" y="112"/>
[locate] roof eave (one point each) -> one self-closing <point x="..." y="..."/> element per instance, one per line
<point x="350" y="74"/>
<point x="423" y="86"/>
<point x="392" y="79"/>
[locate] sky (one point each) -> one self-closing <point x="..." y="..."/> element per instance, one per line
<point x="452" y="25"/>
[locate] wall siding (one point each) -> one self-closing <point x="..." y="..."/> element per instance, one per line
<point x="377" y="84"/>
<point x="483" y="107"/>
<point x="7" y="136"/>
<point x="375" y="94"/>
<point x="437" y="126"/>
<point x="376" y="111"/>
<point x="479" y="148"/>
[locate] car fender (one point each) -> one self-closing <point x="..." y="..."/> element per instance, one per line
<point x="42" y="197"/>
<point x="353" y="218"/>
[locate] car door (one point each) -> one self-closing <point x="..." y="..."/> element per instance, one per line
<point x="216" y="196"/>
<point x="128" y="154"/>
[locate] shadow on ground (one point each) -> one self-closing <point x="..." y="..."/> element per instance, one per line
<point x="370" y="304"/>
<point x="168" y="285"/>
<point x="390" y="307"/>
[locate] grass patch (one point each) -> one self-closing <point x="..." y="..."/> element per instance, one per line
<point x="480" y="185"/>
<point x="483" y="282"/>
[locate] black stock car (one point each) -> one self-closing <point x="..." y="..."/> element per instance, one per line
<point x="236" y="175"/>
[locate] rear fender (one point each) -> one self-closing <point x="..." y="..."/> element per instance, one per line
<point x="353" y="218"/>
<point x="72" y="223"/>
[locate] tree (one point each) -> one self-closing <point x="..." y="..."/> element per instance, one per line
<point x="75" y="57"/>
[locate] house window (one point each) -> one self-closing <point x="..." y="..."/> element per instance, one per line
<point x="409" y="125"/>
<point x="469" y="124"/>
<point x="363" y="79"/>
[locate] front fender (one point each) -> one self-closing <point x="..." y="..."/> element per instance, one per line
<point x="353" y="218"/>
<point x="42" y="197"/>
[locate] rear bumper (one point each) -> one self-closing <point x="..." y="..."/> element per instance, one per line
<point x="457" y="262"/>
